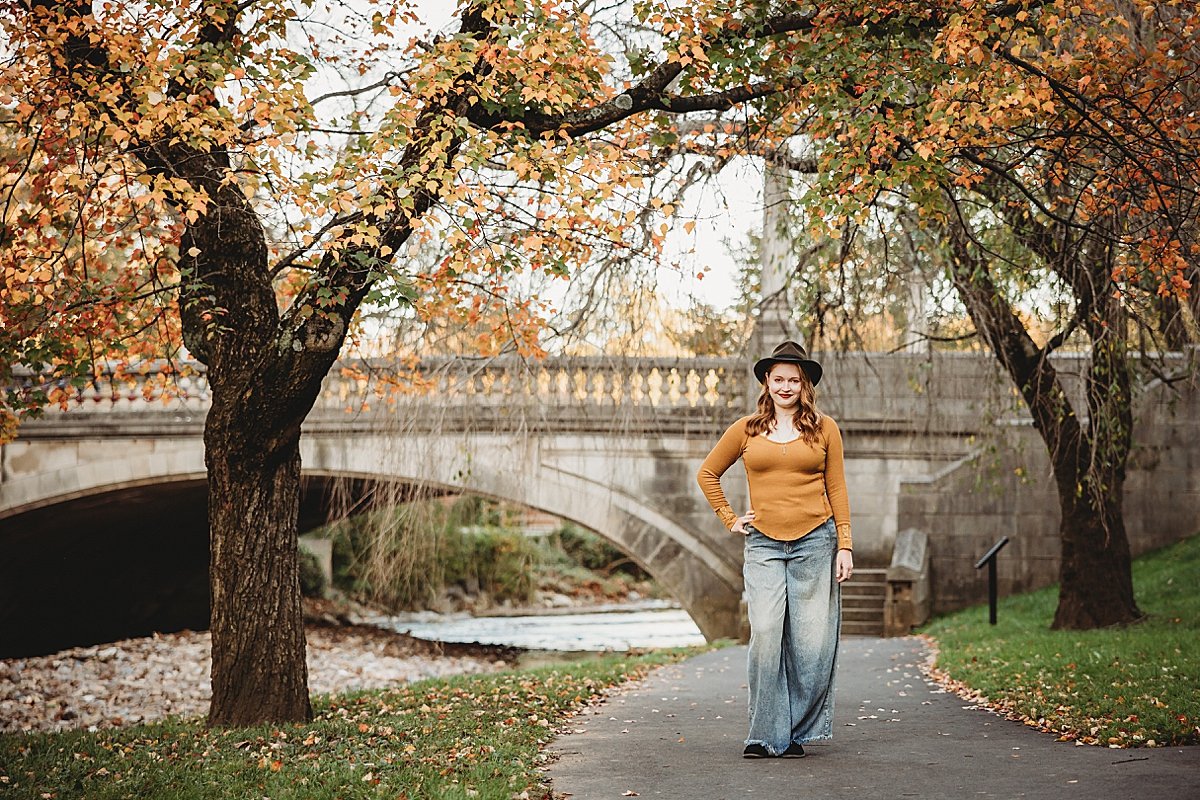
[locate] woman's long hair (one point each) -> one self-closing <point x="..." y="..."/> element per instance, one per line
<point x="807" y="418"/>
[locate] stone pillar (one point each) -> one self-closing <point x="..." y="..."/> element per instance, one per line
<point x="775" y="321"/>
<point x="323" y="550"/>
<point x="914" y="337"/>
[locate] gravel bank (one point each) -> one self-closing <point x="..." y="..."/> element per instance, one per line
<point x="141" y="680"/>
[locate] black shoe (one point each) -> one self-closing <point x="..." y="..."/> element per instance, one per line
<point x="755" y="751"/>
<point x="794" y="750"/>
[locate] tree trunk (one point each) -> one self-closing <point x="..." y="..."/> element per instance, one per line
<point x="1096" y="585"/>
<point x="259" y="672"/>
<point x="1095" y="577"/>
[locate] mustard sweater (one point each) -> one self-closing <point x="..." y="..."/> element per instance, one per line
<point x="794" y="486"/>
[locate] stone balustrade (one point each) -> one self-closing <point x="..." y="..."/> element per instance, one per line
<point x="954" y="394"/>
<point x="596" y="382"/>
<point x="565" y="393"/>
<point x="580" y="381"/>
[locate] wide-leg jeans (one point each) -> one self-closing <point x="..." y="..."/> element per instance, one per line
<point x="794" y="604"/>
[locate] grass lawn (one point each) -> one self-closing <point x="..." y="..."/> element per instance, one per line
<point x="464" y="737"/>
<point x="1125" y="687"/>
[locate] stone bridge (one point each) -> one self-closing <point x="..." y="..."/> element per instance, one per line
<point x="103" y="506"/>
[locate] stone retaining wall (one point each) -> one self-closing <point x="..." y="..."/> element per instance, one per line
<point x="1007" y="489"/>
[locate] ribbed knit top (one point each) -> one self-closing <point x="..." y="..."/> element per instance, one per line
<point x="794" y="486"/>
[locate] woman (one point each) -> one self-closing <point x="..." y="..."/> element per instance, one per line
<point x="798" y="551"/>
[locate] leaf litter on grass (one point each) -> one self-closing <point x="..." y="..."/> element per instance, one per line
<point x="1119" y="687"/>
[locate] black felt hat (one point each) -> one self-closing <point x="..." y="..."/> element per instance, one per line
<point x="788" y="353"/>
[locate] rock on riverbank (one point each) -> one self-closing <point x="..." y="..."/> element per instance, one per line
<point x="141" y="680"/>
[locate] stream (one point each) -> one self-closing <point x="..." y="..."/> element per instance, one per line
<point x="615" y="628"/>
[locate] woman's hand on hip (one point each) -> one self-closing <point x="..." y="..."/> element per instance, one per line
<point x="845" y="565"/>
<point x="739" y="525"/>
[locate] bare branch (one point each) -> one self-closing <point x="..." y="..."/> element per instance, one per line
<point x="379" y="84"/>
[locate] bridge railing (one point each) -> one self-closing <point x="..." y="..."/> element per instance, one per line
<point x="587" y="381"/>
<point x="952" y="393"/>
<point x="561" y="392"/>
<point x="128" y="389"/>
<point x="570" y="393"/>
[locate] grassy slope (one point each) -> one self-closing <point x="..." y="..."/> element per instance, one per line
<point x="469" y="736"/>
<point x="1128" y="686"/>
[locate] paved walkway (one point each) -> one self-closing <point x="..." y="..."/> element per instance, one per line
<point x="679" y="734"/>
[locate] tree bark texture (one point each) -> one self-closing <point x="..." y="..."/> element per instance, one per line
<point x="1096" y="585"/>
<point x="261" y="393"/>
<point x="252" y="454"/>
<point x="259" y="672"/>
<point x="1096" y="571"/>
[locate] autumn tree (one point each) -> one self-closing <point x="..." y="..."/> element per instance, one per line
<point x="241" y="177"/>
<point x="1044" y="149"/>
<point x="1102" y="196"/>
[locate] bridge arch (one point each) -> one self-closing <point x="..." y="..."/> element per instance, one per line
<point x="74" y="497"/>
<point x="704" y="579"/>
<point x="97" y="563"/>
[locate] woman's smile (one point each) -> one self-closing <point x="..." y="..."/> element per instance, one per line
<point x="785" y="397"/>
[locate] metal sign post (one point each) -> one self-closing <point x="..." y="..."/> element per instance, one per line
<point x="989" y="558"/>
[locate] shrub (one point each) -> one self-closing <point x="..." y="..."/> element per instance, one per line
<point x="312" y="577"/>
<point x="498" y="561"/>
<point x="405" y="558"/>
<point x="594" y="553"/>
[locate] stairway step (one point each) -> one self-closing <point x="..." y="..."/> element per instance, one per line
<point x="870" y="575"/>
<point x="876" y="591"/>
<point x="862" y="613"/>
<point x="867" y="589"/>
<point x="863" y="597"/>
